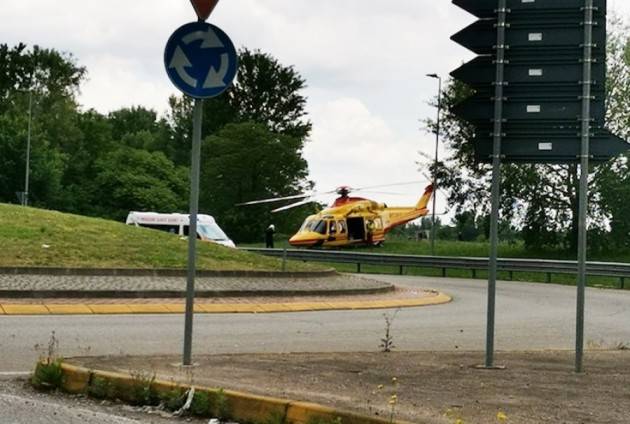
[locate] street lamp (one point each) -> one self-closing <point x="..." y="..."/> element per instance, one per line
<point x="435" y="165"/>
<point x="27" y="172"/>
<point x="28" y="147"/>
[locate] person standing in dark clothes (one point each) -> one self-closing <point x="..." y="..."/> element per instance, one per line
<point x="271" y="229"/>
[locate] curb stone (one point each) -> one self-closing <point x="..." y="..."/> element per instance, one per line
<point x="162" y="272"/>
<point x="174" y="294"/>
<point x="245" y="407"/>
<point x="219" y="308"/>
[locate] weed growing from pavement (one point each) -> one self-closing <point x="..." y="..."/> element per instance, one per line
<point x="201" y="404"/>
<point x="276" y="418"/>
<point x="454" y="415"/>
<point x="220" y="404"/>
<point x="101" y="388"/>
<point x="393" y="400"/>
<point x="141" y="391"/>
<point x="48" y="374"/>
<point x="387" y="342"/>
<point x="173" y="400"/>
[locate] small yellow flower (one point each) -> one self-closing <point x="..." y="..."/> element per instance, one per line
<point x="459" y="421"/>
<point x="380" y="386"/>
<point x="394" y="380"/>
<point x="501" y="417"/>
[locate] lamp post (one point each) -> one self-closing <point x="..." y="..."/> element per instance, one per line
<point x="28" y="148"/>
<point x="435" y="164"/>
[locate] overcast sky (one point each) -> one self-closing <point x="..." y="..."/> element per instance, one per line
<point x="364" y="61"/>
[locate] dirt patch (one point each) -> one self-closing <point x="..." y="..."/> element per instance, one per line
<point x="535" y="387"/>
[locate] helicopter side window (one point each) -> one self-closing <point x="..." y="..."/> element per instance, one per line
<point x="333" y="227"/>
<point x="341" y="227"/>
<point x="320" y="227"/>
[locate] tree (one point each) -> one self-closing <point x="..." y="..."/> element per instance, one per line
<point x="52" y="78"/>
<point x="612" y="181"/>
<point x="541" y="199"/>
<point x="134" y="179"/>
<point x="244" y="162"/>
<point x="46" y="71"/>
<point x="265" y="92"/>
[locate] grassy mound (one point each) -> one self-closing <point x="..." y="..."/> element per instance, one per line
<point x="36" y="237"/>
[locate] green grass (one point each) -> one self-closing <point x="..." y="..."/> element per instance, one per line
<point x="36" y="237"/>
<point x="401" y="246"/>
<point x="397" y="245"/>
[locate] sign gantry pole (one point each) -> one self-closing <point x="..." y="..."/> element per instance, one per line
<point x="583" y="194"/>
<point x="496" y="181"/>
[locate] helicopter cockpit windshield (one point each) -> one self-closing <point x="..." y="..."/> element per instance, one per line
<point x="315" y="225"/>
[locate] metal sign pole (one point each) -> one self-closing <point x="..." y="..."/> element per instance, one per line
<point x="496" y="181"/>
<point x="584" y="159"/>
<point x="192" y="229"/>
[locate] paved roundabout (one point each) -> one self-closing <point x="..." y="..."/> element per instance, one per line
<point x="529" y="317"/>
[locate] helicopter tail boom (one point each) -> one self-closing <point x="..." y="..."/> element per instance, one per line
<point x="426" y="197"/>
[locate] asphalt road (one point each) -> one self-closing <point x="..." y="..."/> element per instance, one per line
<point x="529" y="317"/>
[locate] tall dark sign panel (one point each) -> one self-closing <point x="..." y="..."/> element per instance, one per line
<point x="543" y="80"/>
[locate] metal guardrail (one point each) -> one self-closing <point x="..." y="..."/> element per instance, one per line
<point x="548" y="267"/>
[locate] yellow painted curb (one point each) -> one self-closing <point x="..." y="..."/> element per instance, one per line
<point x="217" y="308"/>
<point x="68" y="309"/>
<point x="148" y="308"/>
<point x="25" y="310"/>
<point x="241" y="406"/>
<point x="110" y="309"/>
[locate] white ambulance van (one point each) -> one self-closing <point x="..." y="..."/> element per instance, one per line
<point x="177" y="223"/>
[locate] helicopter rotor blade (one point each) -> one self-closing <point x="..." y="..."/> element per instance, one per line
<point x="293" y="205"/>
<point x="275" y="199"/>
<point x="391" y="185"/>
<point x="382" y="192"/>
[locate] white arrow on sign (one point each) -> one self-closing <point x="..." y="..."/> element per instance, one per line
<point x="215" y="79"/>
<point x="210" y="39"/>
<point x="180" y="62"/>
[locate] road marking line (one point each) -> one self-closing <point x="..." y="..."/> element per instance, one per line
<point x="15" y="373"/>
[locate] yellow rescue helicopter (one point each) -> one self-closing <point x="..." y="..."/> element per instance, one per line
<point x="350" y="220"/>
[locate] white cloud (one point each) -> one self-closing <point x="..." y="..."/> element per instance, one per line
<point x="364" y="62"/>
<point x="120" y="82"/>
<point x="352" y="146"/>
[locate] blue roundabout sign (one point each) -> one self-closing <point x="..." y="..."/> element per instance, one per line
<point x="200" y="60"/>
